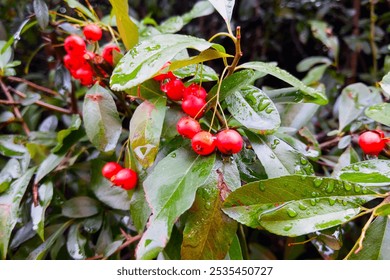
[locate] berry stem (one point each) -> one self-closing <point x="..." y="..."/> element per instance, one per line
<point x="238" y="54"/>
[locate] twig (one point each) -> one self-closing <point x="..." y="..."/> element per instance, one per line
<point x="43" y="104"/>
<point x="372" y="38"/>
<point x="330" y="143"/>
<point x="238" y="53"/>
<point x="33" y="85"/>
<point x="16" y="109"/>
<point x="7" y="102"/>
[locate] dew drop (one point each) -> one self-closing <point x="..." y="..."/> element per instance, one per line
<point x="173" y="155"/>
<point x="313" y="202"/>
<point x="269" y="110"/>
<point x="344" y="202"/>
<point x="302" y="206"/>
<point x="263" y="104"/>
<point x="347" y="186"/>
<point x="275" y="144"/>
<point x="330" y="187"/>
<point x="303" y="161"/>
<point x="314" y="194"/>
<point x="332" y="201"/>
<point x="287" y="227"/>
<point x="317" y="182"/>
<point x="291" y="212"/>
<point x="261" y="186"/>
<point x="355" y="167"/>
<point x="357" y="189"/>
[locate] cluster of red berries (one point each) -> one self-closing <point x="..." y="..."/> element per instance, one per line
<point x="125" y="178"/>
<point x="78" y="57"/>
<point x="193" y="104"/>
<point x="372" y="142"/>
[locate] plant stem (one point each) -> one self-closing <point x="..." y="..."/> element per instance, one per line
<point x="16" y="109"/>
<point x="238" y="53"/>
<point x="372" y="38"/>
<point x="33" y="85"/>
<point x="243" y="244"/>
<point x="43" y="104"/>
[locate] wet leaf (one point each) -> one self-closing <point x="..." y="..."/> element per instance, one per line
<point x="76" y="243"/>
<point x="328" y="242"/>
<point x="47" y="166"/>
<point x="41" y="251"/>
<point x="200" y="9"/>
<point x="145" y="130"/>
<point x="170" y="190"/>
<point x="348" y="157"/>
<point x="65" y="138"/>
<point x="253" y="109"/>
<point x="353" y="100"/>
<point x="296" y="205"/>
<point x="309" y="62"/>
<point x="41" y="12"/>
<point x="235" y="252"/>
<point x="376" y="244"/>
<point x="45" y="194"/>
<point x="311" y="95"/>
<point x="80" y="7"/>
<point x="208" y="232"/>
<point x="80" y="207"/>
<point x="385" y="84"/>
<point x="298" y="115"/>
<point x="383" y="210"/>
<point x="127" y="29"/>
<point x="147" y="58"/>
<point x="279" y="158"/>
<point x="224" y="8"/>
<point x="322" y="31"/>
<point x="9" y="208"/>
<point x="101" y="119"/>
<point x="9" y="146"/>
<point x="372" y="172"/>
<point x="379" y="113"/>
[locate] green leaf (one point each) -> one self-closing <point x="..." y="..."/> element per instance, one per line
<point x="225" y="9"/>
<point x="235" y="252"/>
<point x="320" y="31"/>
<point x="383" y="210"/>
<point x="199" y="72"/>
<point x="315" y="74"/>
<point x="278" y="157"/>
<point x="80" y="207"/>
<point x="284" y="95"/>
<point x="62" y="135"/>
<point x="6" y="54"/>
<point x="170" y="190"/>
<point x="41" y="12"/>
<point x="232" y="84"/>
<point x="328" y="242"/>
<point x="145" y="130"/>
<point x="101" y="118"/>
<point x="298" y="115"/>
<point x="376" y="243"/>
<point x="309" y="62"/>
<point x="208" y="232"/>
<point x="310" y="150"/>
<point x="144" y="60"/>
<point x="200" y="9"/>
<point x="80" y="7"/>
<point x="47" y="166"/>
<point x="41" y="251"/>
<point x="76" y="243"/>
<point x="127" y="29"/>
<point x="254" y="110"/>
<point x="171" y="25"/>
<point x="385" y="84"/>
<point x="311" y="95"/>
<point x="45" y="194"/>
<point x="379" y="113"/>
<point x="371" y="172"/>
<point x="348" y="157"/>
<point x="352" y="102"/>
<point x="139" y="209"/>
<point x="296" y="205"/>
<point x="116" y="198"/>
<point x="10" y="146"/>
<point x="9" y="208"/>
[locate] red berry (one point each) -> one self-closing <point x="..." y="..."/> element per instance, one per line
<point x="126" y="178"/>
<point x="74" y="45"/>
<point x="85" y="75"/>
<point x="203" y="143"/>
<point x="107" y="53"/>
<point x="195" y="90"/>
<point x="110" y="169"/>
<point x="168" y="75"/>
<point x="229" y="141"/>
<point x="188" y="127"/>
<point x="73" y="63"/>
<point x="92" y="32"/>
<point x="372" y="142"/>
<point x="174" y="89"/>
<point x="194" y="106"/>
